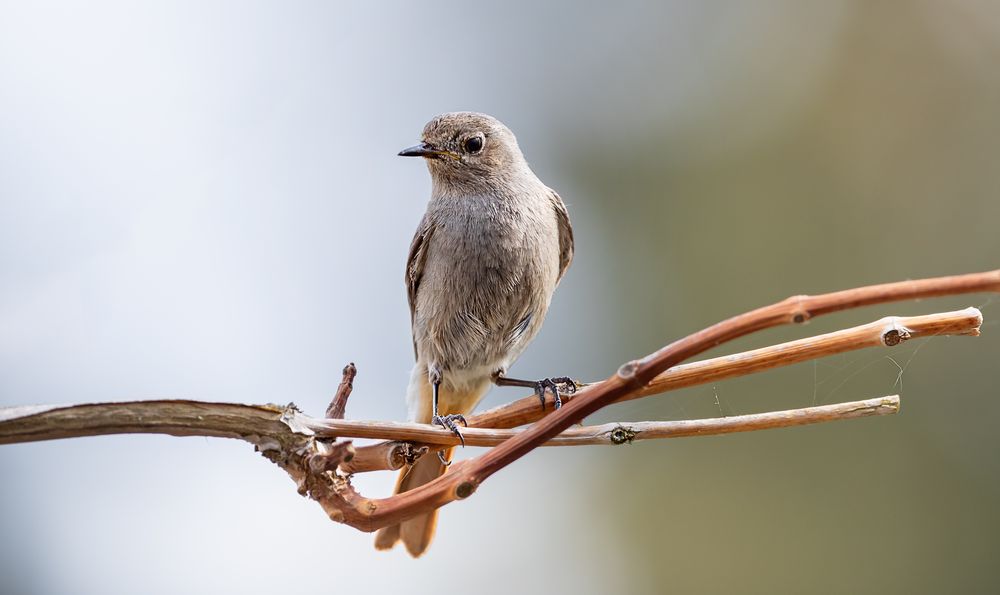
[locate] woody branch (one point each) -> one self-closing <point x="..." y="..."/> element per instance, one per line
<point x="304" y="446"/>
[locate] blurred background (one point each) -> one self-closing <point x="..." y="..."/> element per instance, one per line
<point x="202" y="200"/>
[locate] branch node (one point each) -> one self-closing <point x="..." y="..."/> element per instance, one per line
<point x="464" y="490"/>
<point x="627" y="371"/>
<point x="800" y="311"/>
<point x="895" y="336"/>
<point x="622" y="435"/>
<point x="408" y="453"/>
<point x="329" y="456"/>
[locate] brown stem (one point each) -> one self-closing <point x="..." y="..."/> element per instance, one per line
<point x="626" y="432"/>
<point x="266" y="425"/>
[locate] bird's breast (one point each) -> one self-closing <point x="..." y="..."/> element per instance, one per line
<point x="489" y="275"/>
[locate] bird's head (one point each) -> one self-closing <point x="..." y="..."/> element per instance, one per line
<point x="468" y="149"/>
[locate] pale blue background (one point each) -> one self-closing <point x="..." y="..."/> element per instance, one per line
<point x="202" y="200"/>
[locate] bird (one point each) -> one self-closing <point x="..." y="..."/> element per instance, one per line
<point x="484" y="262"/>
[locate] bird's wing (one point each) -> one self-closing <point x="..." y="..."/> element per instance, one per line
<point x="565" y="234"/>
<point x="415" y="267"/>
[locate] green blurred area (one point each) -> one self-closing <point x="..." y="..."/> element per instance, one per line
<point x="886" y="169"/>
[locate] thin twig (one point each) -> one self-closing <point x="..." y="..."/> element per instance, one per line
<point x="617" y="432"/>
<point x="262" y="424"/>
<point x="338" y="406"/>
<point x="889" y="331"/>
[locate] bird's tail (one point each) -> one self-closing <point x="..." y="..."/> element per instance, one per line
<point x="416" y="533"/>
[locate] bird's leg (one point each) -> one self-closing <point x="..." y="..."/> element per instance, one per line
<point x="539" y="386"/>
<point x="445" y="421"/>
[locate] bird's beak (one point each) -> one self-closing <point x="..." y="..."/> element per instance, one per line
<point x="426" y="150"/>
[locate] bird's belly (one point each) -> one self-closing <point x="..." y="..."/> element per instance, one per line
<point x="484" y="313"/>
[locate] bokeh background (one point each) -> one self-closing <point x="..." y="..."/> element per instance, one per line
<point x="202" y="200"/>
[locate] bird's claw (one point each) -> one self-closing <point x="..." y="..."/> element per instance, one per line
<point x="448" y="421"/>
<point x="553" y="384"/>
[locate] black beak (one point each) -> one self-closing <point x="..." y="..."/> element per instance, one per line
<point x="426" y="150"/>
<point x="421" y="150"/>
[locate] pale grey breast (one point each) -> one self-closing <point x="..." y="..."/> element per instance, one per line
<point x="491" y="265"/>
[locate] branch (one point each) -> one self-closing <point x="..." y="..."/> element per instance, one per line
<point x="338" y="406"/>
<point x="618" y="432"/>
<point x="267" y="425"/>
<point x="257" y="424"/>
<point x="888" y="332"/>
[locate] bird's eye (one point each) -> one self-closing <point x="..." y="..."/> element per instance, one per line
<point x="473" y="144"/>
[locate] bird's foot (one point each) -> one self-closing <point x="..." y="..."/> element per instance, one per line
<point x="448" y="421"/>
<point x="569" y="386"/>
<point x="553" y="385"/>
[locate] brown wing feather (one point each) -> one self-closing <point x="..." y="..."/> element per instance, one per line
<point x="415" y="267"/>
<point x="565" y="234"/>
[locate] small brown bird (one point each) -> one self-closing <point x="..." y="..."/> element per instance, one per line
<point x="485" y="259"/>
